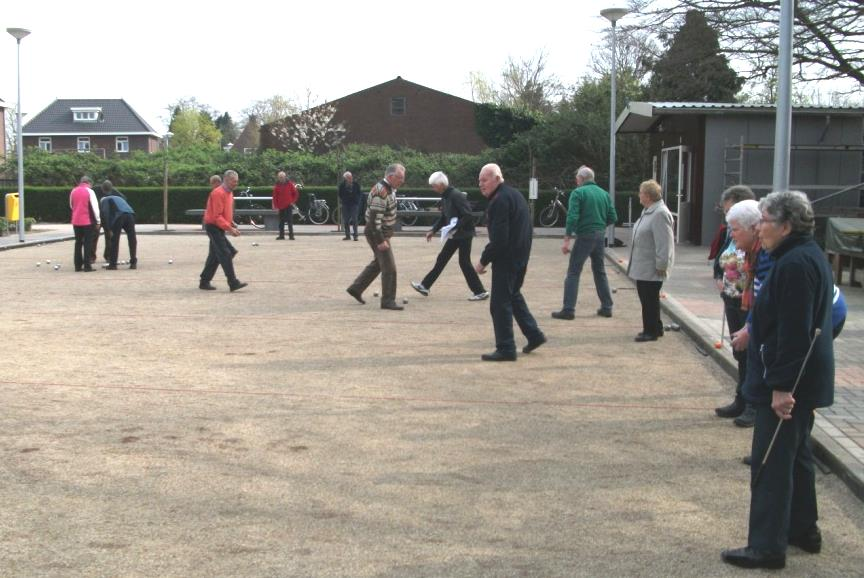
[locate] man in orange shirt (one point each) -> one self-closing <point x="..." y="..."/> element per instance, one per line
<point x="219" y="219"/>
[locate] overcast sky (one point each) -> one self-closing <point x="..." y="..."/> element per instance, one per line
<point x="228" y="54"/>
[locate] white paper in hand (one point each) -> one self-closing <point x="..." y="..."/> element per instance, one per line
<point x="447" y="229"/>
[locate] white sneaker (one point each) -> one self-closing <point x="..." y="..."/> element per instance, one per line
<point x="419" y="288"/>
<point x="479" y="296"/>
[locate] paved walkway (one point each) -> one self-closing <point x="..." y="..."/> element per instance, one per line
<point x="692" y="299"/>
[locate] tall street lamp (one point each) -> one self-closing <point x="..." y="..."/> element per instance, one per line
<point x="613" y="15"/>
<point x="166" y="140"/>
<point x="18" y="34"/>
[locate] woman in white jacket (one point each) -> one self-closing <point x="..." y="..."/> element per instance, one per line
<point x="651" y="253"/>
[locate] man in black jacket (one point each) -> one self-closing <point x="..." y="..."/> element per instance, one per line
<point x="456" y="216"/>
<point x="350" y="197"/>
<point x="508" y="250"/>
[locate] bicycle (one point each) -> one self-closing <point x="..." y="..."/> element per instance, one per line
<point x="407" y="220"/>
<point x="318" y="212"/>
<point x="549" y="216"/>
<point x="256" y="221"/>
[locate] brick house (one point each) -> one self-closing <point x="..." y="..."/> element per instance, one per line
<point x="399" y="113"/>
<point x="102" y="126"/>
<point x="2" y="129"/>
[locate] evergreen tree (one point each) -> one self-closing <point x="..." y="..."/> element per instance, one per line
<point x="693" y="69"/>
<point x="226" y="126"/>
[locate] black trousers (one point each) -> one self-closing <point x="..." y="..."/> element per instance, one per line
<point x="126" y="223"/>
<point x="94" y="244"/>
<point x="507" y="303"/>
<point x="221" y="254"/>
<point x="83" y="246"/>
<point x="736" y="319"/>
<point x="349" y="217"/>
<point x="450" y="247"/>
<point x="649" y="297"/>
<point x="286" y="215"/>
<point x="783" y="503"/>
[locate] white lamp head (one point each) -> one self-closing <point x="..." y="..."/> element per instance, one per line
<point x="18" y="33"/>
<point x="613" y="15"/>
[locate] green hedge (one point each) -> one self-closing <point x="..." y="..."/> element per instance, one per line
<point x="51" y="204"/>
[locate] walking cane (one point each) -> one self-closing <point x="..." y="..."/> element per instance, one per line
<point x="719" y="344"/>
<point x="816" y="335"/>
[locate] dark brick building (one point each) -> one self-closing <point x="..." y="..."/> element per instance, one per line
<point x="399" y="113"/>
<point x="102" y="126"/>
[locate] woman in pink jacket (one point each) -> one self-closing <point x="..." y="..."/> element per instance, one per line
<point x="85" y="214"/>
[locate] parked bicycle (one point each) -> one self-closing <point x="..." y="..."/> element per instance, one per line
<point x="550" y="214"/>
<point x="318" y="212"/>
<point x="407" y="220"/>
<point x="255" y="220"/>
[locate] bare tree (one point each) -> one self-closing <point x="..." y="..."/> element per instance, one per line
<point x="525" y="85"/>
<point x="312" y="130"/>
<point x="828" y="38"/>
<point x="11" y="128"/>
<point x="636" y="52"/>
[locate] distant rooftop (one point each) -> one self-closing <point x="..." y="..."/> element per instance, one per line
<point x="115" y="117"/>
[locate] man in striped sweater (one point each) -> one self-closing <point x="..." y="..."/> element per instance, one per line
<point x="380" y="222"/>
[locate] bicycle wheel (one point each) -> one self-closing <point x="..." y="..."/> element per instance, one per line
<point x="548" y="216"/>
<point x="319" y="214"/>
<point x="337" y="215"/>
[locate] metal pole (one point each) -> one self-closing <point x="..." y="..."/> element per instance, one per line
<point x="20" y="147"/>
<point x="610" y="233"/>
<point x="165" y="184"/>
<point x="783" y="128"/>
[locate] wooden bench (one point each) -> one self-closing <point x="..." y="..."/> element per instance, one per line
<point x="271" y="216"/>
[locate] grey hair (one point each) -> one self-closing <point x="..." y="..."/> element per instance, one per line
<point x="230" y="173"/>
<point x="746" y="213"/>
<point x="494" y="169"/>
<point x="585" y="173"/>
<point x="347" y="174"/>
<point x="393" y="169"/>
<point x="86" y="179"/>
<point x="439" y="178"/>
<point x="737" y="193"/>
<point x="791" y="207"/>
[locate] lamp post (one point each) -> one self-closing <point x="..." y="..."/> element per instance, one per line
<point x="227" y="148"/>
<point x="166" y="140"/>
<point x="783" y="115"/>
<point x="18" y="34"/>
<point x="613" y="15"/>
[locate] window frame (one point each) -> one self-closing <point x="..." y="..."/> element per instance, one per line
<point x="80" y="141"/>
<point x="118" y="140"/>
<point x="46" y="140"/>
<point x="394" y="111"/>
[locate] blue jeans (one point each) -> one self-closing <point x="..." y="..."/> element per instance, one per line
<point x="590" y="245"/>
<point x="507" y="303"/>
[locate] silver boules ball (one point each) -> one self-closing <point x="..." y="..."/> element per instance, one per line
<point x="375" y="294"/>
<point x="404" y="302"/>
<point x="56" y="267"/>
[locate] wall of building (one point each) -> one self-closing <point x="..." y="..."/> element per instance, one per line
<point x="98" y="143"/>
<point x="817" y="173"/>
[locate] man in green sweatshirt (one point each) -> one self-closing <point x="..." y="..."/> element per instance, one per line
<point x="589" y="213"/>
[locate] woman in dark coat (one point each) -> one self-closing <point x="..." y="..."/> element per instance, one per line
<point x="793" y="303"/>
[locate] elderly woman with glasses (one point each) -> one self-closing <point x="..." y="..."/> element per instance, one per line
<point x="791" y="316"/>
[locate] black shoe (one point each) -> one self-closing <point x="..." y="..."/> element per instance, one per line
<point x="810" y="541"/>
<point x="111" y="267"/>
<point x="206" y="286"/>
<point x="355" y="238"/>
<point x="749" y="558"/>
<point x="133" y="266"/>
<point x="88" y="269"/>
<point x="748" y="418"/>
<point x="280" y="238"/>
<point x="643" y="337"/>
<point x="346" y="238"/>
<point x="355" y="295"/>
<point x="734" y="409"/>
<point x="392" y="306"/>
<point x="291" y="238"/>
<point x="604" y="312"/>
<point x="568" y="315"/>
<point x="532" y="345"/>
<point x="747" y="460"/>
<point x="236" y="286"/>
<point x="498" y="356"/>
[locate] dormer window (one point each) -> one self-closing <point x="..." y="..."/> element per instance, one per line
<point x="86" y="114"/>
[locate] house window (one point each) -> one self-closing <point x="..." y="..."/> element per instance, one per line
<point x="86" y="114"/>
<point x="121" y="144"/>
<point x="397" y="106"/>
<point x="45" y="143"/>
<point x="83" y="144"/>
